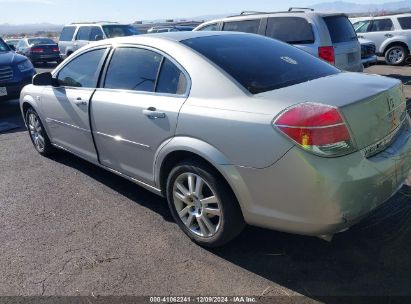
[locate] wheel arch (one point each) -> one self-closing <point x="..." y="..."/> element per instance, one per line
<point x="394" y="43"/>
<point x="26" y="103"/>
<point x="180" y="149"/>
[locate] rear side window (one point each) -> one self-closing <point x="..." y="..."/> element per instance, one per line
<point x="293" y="30"/>
<point x="405" y="23"/>
<point x="381" y="25"/>
<point x="82" y="71"/>
<point x="67" y="33"/>
<point x="171" y="79"/>
<point x="340" y="28"/>
<point x="133" y="69"/>
<point x="84" y="33"/>
<point x="245" y="26"/>
<point x="258" y="63"/>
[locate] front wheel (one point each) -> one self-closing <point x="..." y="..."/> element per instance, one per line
<point x="38" y="134"/>
<point x="396" y="55"/>
<point x="203" y="205"/>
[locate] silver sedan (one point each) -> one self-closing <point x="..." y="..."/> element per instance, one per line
<point x="231" y="128"/>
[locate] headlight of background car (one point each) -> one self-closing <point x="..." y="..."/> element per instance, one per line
<point x="25" y="66"/>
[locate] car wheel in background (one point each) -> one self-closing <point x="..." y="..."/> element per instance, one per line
<point x="396" y="55"/>
<point x="38" y="134"/>
<point x="203" y="205"/>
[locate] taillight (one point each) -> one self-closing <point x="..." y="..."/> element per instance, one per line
<point x="56" y="49"/>
<point x="317" y="128"/>
<point x="36" y="50"/>
<point x="327" y="53"/>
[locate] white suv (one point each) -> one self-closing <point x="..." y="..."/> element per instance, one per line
<point x="391" y="35"/>
<point x="76" y="35"/>
<point x="328" y="36"/>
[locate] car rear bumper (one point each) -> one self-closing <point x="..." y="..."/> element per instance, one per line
<point x="43" y="58"/>
<point x="306" y="194"/>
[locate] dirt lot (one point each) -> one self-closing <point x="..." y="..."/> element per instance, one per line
<point x="70" y="228"/>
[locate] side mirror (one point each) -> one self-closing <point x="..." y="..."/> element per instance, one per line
<point x="44" y="79"/>
<point x="12" y="47"/>
<point x="98" y="37"/>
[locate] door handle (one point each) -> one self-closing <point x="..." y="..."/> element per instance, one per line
<point x="359" y="36"/>
<point x="152" y="113"/>
<point x="80" y="102"/>
<point x="388" y="35"/>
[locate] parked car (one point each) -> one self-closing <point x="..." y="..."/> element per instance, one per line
<point x="16" y="71"/>
<point x="76" y="35"/>
<point x="368" y="56"/>
<point x="391" y="35"/>
<point x="328" y="36"/>
<point x="174" y="28"/>
<point x="12" y="43"/>
<point x="232" y="128"/>
<point x="39" y="49"/>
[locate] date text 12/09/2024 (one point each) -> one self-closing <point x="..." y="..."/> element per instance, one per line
<point x="233" y="299"/>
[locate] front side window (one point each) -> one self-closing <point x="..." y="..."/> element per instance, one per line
<point x="258" y="63"/>
<point x="67" y="33"/>
<point x="293" y="30"/>
<point x="405" y="23"/>
<point x="133" y="69"/>
<point x="96" y="33"/>
<point x="113" y="31"/>
<point x="381" y="25"/>
<point x="245" y="26"/>
<point x="210" y="27"/>
<point x="362" y="26"/>
<point x="82" y="71"/>
<point x="84" y="33"/>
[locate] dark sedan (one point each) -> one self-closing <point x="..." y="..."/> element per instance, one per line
<point x="15" y="72"/>
<point x="39" y="49"/>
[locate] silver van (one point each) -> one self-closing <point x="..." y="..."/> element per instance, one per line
<point x="329" y="36"/>
<point x="76" y="35"/>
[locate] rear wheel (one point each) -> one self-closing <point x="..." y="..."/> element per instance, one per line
<point x="38" y="134"/>
<point x="202" y="204"/>
<point x="396" y="55"/>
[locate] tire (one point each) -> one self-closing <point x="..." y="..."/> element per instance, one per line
<point x="37" y="133"/>
<point x="396" y="55"/>
<point x="212" y="216"/>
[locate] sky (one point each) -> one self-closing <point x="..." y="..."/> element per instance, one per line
<point x="128" y="11"/>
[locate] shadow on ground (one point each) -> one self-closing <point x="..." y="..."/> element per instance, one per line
<point x="371" y="259"/>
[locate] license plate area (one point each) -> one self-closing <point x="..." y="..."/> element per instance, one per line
<point x="3" y="91"/>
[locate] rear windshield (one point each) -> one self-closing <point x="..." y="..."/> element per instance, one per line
<point x="293" y="30"/>
<point x="113" y="31"/>
<point x="258" y="63"/>
<point x="36" y="41"/>
<point x="67" y="33"/>
<point x="340" y="28"/>
<point x="405" y="23"/>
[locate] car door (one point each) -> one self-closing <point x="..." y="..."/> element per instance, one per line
<point x="82" y="37"/>
<point x="378" y="31"/>
<point x="66" y="105"/>
<point x="136" y="109"/>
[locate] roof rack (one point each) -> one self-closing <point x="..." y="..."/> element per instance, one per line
<point x="291" y="9"/>
<point x="94" y="22"/>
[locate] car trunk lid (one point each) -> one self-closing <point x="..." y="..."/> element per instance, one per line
<point x="374" y="107"/>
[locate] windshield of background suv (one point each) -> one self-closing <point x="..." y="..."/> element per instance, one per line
<point x="3" y="46"/>
<point x="113" y="31"/>
<point x="36" y="41"/>
<point x="260" y="64"/>
<point x="340" y="28"/>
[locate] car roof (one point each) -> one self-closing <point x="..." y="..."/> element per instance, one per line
<point x="94" y="23"/>
<point x="356" y="19"/>
<point x="171" y="36"/>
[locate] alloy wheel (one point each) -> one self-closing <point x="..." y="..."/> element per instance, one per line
<point x="395" y="56"/>
<point x="197" y="205"/>
<point x="36" y="132"/>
